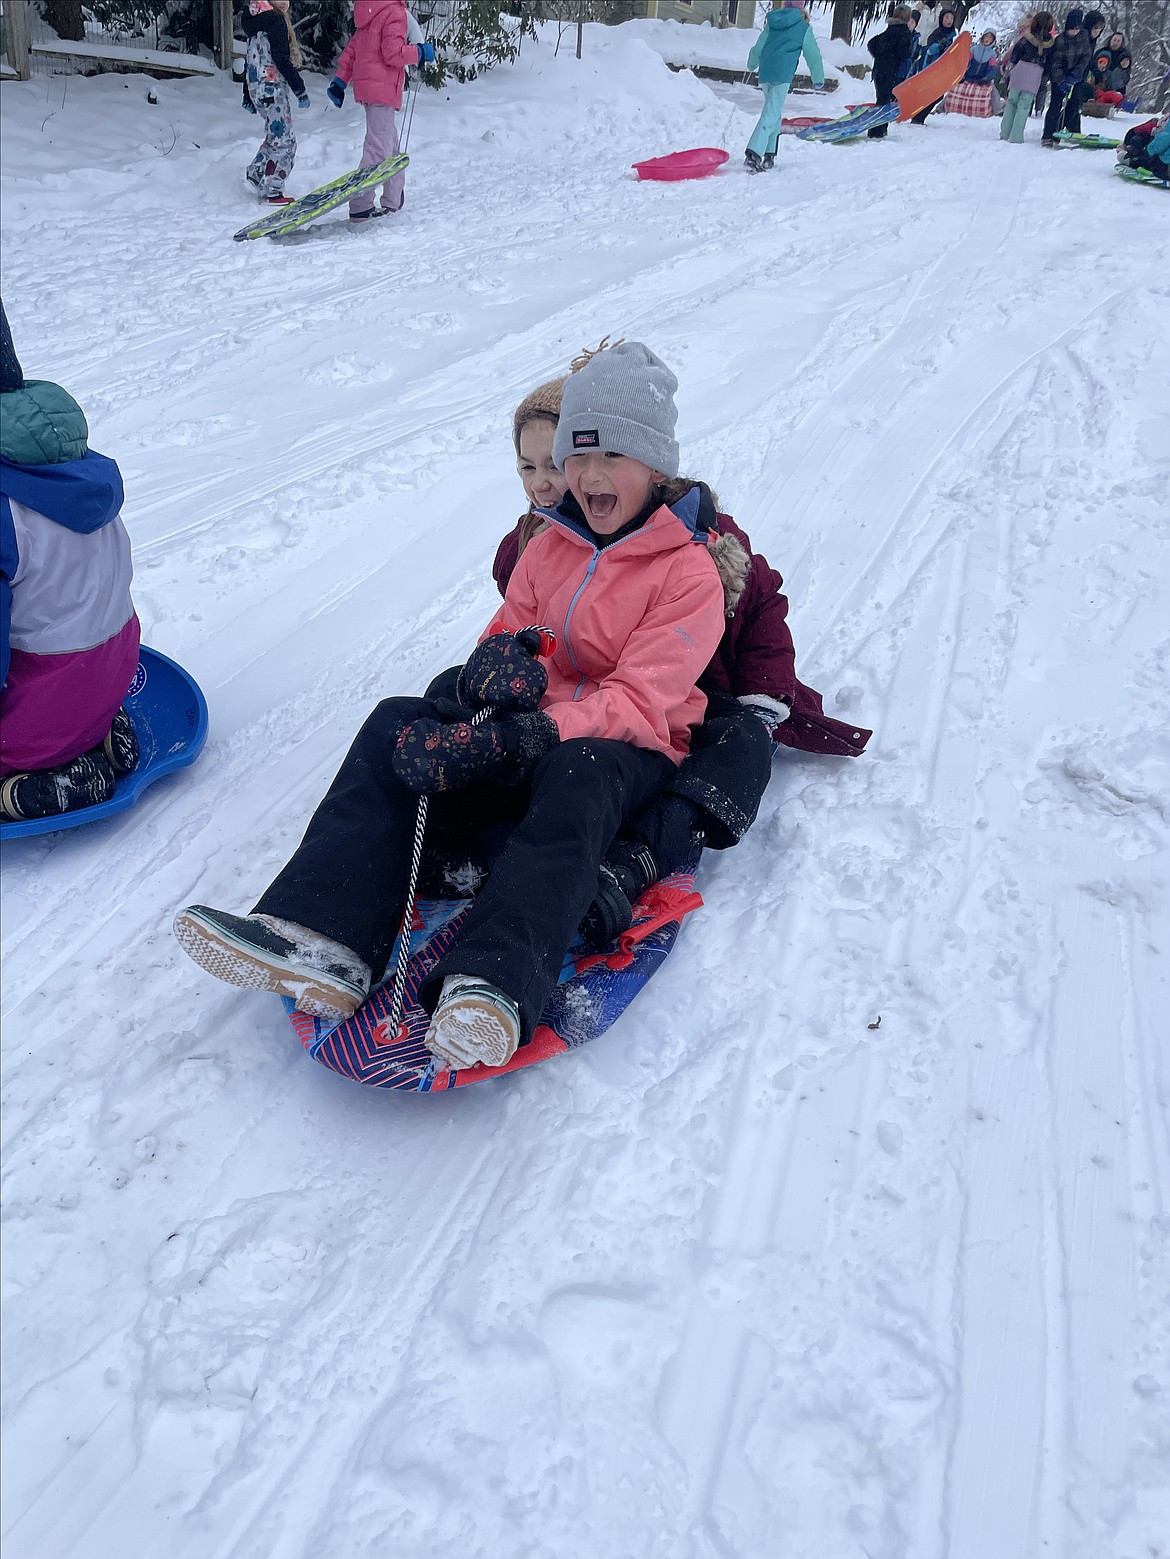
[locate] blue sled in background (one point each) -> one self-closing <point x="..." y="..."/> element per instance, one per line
<point x="170" y="716"/>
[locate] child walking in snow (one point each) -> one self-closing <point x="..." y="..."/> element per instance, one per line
<point x="1025" y="64"/>
<point x="375" y="60"/>
<point x="892" y="52"/>
<point x="572" y="747"/>
<point x="775" y="55"/>
<point x="68" y="629"/>
<point x="271" y="79"/>
<point x="753" y="697"/>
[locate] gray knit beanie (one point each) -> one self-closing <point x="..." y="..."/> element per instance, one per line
<point x="622" y="401"/>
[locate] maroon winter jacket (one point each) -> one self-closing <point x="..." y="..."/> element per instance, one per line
<point x="756" y="653"/>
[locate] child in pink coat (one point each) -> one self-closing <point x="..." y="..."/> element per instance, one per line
<point x="375" y="60"/>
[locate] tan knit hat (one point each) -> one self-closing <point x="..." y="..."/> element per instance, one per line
<point x="544" y="401"/>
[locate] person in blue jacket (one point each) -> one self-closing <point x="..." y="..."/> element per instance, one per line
<point x="775" y="55"/>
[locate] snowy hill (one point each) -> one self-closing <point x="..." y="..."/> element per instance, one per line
<point x="850" y="1240"/>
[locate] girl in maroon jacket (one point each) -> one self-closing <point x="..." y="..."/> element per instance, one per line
<point x="753" y="696"/>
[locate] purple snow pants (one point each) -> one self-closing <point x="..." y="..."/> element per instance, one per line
<point x="381" y="142"/>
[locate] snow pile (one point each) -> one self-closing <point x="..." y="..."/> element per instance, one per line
<point x="850" y="1239"/>
<point x="682" y="43"/>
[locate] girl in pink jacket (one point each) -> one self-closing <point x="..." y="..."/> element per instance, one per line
<point x="375" y="60"/>
<point x="573" y="746"/>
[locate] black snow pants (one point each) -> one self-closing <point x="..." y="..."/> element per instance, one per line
<point x="1063" y="113"/>
<point x="348" y="877"/>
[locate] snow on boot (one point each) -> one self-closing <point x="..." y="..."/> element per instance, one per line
<point x="121" y="744"/>
<point x="626" y="872"/>
<point x="769" y="161"/>
<point x="368" y="216"/>
<point x="86" y="781"/>
<point x="473" y="1023"/>
<point x="265" y="953"/>
<point x="752" y="162"/>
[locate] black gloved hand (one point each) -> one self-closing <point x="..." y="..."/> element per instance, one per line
<point x="503" y="674"/>
<point x="431" y="757"/>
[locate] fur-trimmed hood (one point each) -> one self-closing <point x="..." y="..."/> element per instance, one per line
<point x="734" y="564"/>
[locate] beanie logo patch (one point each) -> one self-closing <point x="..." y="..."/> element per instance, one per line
<point x="587" y="438"/>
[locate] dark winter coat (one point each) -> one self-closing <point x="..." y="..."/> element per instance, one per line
<point x="938" y="43"/>
<point x="891" y="52"/>
<point x="1067" y="59"/>
<point x="756" y="653"/>
<point x="1025" y="63"/>
<point x="272" y="24"/>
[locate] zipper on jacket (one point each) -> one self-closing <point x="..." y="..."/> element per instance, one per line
<point x="593" y="562"/>
<point x="573" y="661"/>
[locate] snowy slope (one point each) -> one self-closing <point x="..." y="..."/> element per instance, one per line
<point x="754" y="1275"/>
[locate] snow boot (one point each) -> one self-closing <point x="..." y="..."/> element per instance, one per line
<point x="626" y="872"/>
<point x="264" y="953"/>
<point x="86" y="781"/>
<point x="121" y="745"/>
<point x="1049" y="142"/>
<point x="474" y="1023"/>
<point x="277" y="200"/>
<point x="368" y="216"/>
<point x="753" y="162"/>
<point x="769" y="161"/>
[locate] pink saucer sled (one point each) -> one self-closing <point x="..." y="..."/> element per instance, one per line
<point x="695" y="164"/>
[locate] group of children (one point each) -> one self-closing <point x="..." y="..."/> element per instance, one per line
<point x="1076" y="65"/>
<point x="386" y="40"/>
<point x="566" y="783"/>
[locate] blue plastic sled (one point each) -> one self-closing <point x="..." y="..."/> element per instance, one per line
<point x="170" y="717"/>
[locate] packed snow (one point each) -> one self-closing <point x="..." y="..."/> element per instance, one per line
<point x="850" y="1241"/>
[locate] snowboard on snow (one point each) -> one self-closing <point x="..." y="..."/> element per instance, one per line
<point x="851" y="125"/>
<point x="1141" y="176"/>
<point x="1091" y="143"/>
<point x="593" y="992"/>
<point x="287" y="219"/>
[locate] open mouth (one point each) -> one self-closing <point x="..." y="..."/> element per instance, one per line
<point x="600" y="506"/>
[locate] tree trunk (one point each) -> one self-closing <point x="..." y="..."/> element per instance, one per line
<point x="843" y="20"/>
<point x="64" y="17"/>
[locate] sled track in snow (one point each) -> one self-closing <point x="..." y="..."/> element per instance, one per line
<point x="763" y="1275"/>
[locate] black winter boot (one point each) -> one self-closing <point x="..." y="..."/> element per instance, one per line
<point x="752" y="162"/>
<point x="121" y="745"/>
<point x="625" y="874"/>
<point x="85" y="782"/>
<point x="769" y="161"/>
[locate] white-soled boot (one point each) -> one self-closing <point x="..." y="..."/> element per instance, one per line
<point x="474" y="1023"/>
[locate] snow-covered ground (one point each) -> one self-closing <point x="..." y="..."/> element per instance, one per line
<point x="754" y="1275"/>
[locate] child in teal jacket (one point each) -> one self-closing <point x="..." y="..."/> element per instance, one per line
<point x="775" y="56"/>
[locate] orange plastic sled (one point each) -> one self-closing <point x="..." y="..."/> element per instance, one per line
<point x="935" y="81"/>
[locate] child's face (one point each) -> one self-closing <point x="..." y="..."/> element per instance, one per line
<point x="543" y="483"/>
<point x="611" y="489"/>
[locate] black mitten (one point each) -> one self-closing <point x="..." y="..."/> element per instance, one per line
<point x="431" y="757"/>
<point x="503" y="675"/>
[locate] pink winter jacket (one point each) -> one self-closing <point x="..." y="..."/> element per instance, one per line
<point x="376" y="57"/>
<point x="636" y="624"/>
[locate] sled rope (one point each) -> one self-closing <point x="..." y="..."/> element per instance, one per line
<point x="398" y="991"/>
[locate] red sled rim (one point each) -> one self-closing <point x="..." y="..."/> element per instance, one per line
<point x="695" y="164"/>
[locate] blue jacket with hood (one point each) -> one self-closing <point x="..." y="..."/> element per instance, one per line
<point x="776" y="52"/>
